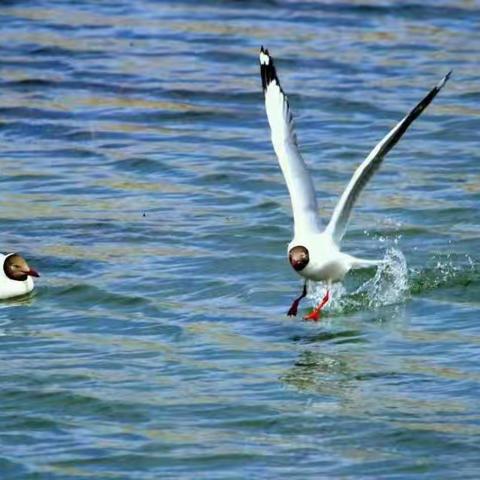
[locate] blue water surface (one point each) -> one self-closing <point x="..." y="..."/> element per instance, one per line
<point x="138" y="177"/>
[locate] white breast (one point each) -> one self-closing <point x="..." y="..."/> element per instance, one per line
<point x="327" y="263"/>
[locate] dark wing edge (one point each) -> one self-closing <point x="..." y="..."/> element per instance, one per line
<point x="340" y="217"/>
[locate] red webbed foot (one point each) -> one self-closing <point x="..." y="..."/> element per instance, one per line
<point x="315" y="313"/>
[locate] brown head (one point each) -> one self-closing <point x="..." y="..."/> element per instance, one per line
<point x="298" y="257"/>
<point x="16" y="268"/>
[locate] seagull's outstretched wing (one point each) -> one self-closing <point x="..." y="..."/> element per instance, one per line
<point x="339" y="221"/>
<point x="297" y="177"/>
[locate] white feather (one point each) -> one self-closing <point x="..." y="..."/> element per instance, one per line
<point x="295" y="172"/>
<point x="341" y="215"/>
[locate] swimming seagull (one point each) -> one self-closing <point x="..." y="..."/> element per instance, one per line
<point x="314" y="253"/>
<point x="15" y="276"/>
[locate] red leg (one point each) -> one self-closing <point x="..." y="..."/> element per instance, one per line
<point x="315" y="313"/>
<point x="294" y="307"/>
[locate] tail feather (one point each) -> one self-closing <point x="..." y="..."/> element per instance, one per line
<point x="364" y="263"/>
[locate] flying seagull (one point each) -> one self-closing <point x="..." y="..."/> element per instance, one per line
<point x="314" y="253"/>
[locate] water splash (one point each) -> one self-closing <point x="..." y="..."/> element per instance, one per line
<point x="390" y="283"/>
<point x="445" y="271"/>
<point x="393" y="282"/>
<point x="388" y="286"/>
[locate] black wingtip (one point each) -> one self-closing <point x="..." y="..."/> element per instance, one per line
<point x="444" y="80"/>
<point x="411" y="116"/>
<point x="267" y="68"/>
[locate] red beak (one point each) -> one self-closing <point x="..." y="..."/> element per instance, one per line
<point x="297" y="266"/>
<point x="32" y="273"/>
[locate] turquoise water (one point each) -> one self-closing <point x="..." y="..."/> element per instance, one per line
<point x="139" y="179"/>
